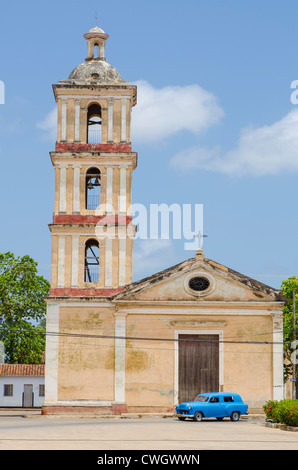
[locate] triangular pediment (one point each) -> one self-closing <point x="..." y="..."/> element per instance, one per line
<point x="180" y="283"/>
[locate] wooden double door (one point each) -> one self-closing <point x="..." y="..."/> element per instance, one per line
<point x="198" y="366"/>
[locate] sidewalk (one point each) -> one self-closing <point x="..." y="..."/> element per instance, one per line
<point x="36" y="412"/>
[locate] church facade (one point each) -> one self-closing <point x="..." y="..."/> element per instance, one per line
<point x="116" y="346"/>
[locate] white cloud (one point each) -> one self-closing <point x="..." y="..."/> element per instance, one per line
<point x="163" y="112"/>
<point x="266" y="150"/>
<point x="49" y="124"/>
<point x="151" y="256"/>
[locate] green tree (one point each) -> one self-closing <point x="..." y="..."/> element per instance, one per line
<point x="22" y="306"/>
<point x="288" y="287"/>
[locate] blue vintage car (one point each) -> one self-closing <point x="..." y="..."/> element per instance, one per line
<point x="213" y="405"/>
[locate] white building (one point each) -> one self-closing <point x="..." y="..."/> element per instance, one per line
<point x="21" y="385"/>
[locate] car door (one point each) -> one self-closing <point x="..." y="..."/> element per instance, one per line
<point x="214" y="408"/>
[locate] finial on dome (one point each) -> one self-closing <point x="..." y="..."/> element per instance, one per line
<point x="96" y="37"/>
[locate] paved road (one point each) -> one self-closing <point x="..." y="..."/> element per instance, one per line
<point x="52" y="433"/>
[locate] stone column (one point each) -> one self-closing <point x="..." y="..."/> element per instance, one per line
<point x="90" y="49"/>
<point x="102" y="49"/>
<point x="109" y="195"/>
<point x="110" y="119"/>
<point x="122" y="198"/>
<point x="122" y="261"/>
<point x="63" y="119"/>
<point x="123" y="119"/>
<point x="62" y="196"/>
<point x="108" y="262"/>
<point x="61" y="260"/>
<point x="76" y="189"/>
<point x="120" y="332"/>
<point x="52" y="346"/>
<point x="75" y="261"/>
<point x="77" y="120"/>
<point x="277" y="356"/>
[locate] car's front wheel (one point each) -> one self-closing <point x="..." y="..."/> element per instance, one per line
<point x="235" y="416"/>
<point x="198" y="416"/>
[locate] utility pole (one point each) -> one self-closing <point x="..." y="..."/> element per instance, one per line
<point x="294" y="342"/>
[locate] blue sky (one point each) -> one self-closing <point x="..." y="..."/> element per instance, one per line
<point x="237" y="155"/>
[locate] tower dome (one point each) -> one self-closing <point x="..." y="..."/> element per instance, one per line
<point x="95" y="68"/>
<point x="96" y="30"/>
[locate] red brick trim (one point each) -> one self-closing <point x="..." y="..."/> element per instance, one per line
<point x="66" y="147"/>
<point x="118" y="409"/>
<point x="150" y="409"/>
<point x="84" y="292"/>
<point x="92" y="219"/>
<point x="114" y="409"/>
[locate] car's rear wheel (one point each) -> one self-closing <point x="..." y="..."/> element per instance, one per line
<point x="198" y="416"/>
<point x="235" y="416"/>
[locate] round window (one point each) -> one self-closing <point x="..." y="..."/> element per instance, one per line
<point x="198" y="284"/>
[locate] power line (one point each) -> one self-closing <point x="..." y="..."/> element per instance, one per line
<point x="141" y="338"/>
<point x="152" y="349"/>
<point x="155" y="328"/>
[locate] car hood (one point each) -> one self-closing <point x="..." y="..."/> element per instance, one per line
<point x="190" y="403"/>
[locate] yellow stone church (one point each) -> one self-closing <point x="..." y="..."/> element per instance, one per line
<point x="117" y="346"/>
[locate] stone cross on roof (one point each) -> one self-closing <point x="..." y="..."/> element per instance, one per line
<point x="200" y="236"/>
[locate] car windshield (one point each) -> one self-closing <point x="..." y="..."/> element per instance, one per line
<point x="202" y="398"/>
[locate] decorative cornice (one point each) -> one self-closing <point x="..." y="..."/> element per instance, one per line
<point x="82" y="292"/>
<point x="80" y="147"/>
<point x="199" y="323"/>
<point x="66" y="219"/>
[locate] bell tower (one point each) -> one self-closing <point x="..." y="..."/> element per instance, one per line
<point x="92" y="231"/>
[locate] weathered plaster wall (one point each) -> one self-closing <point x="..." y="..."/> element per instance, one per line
<point x="150" y="365"/>
<point x="86" y="364"/>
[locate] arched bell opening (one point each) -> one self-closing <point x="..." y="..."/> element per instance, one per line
<point x="94" y="124"/>
<point x="93" y="185"/>
<point x="91" y="273"/>
<point x="96" y="51"/>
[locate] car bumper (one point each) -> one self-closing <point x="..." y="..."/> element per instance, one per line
<point x="184" y="414"/>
